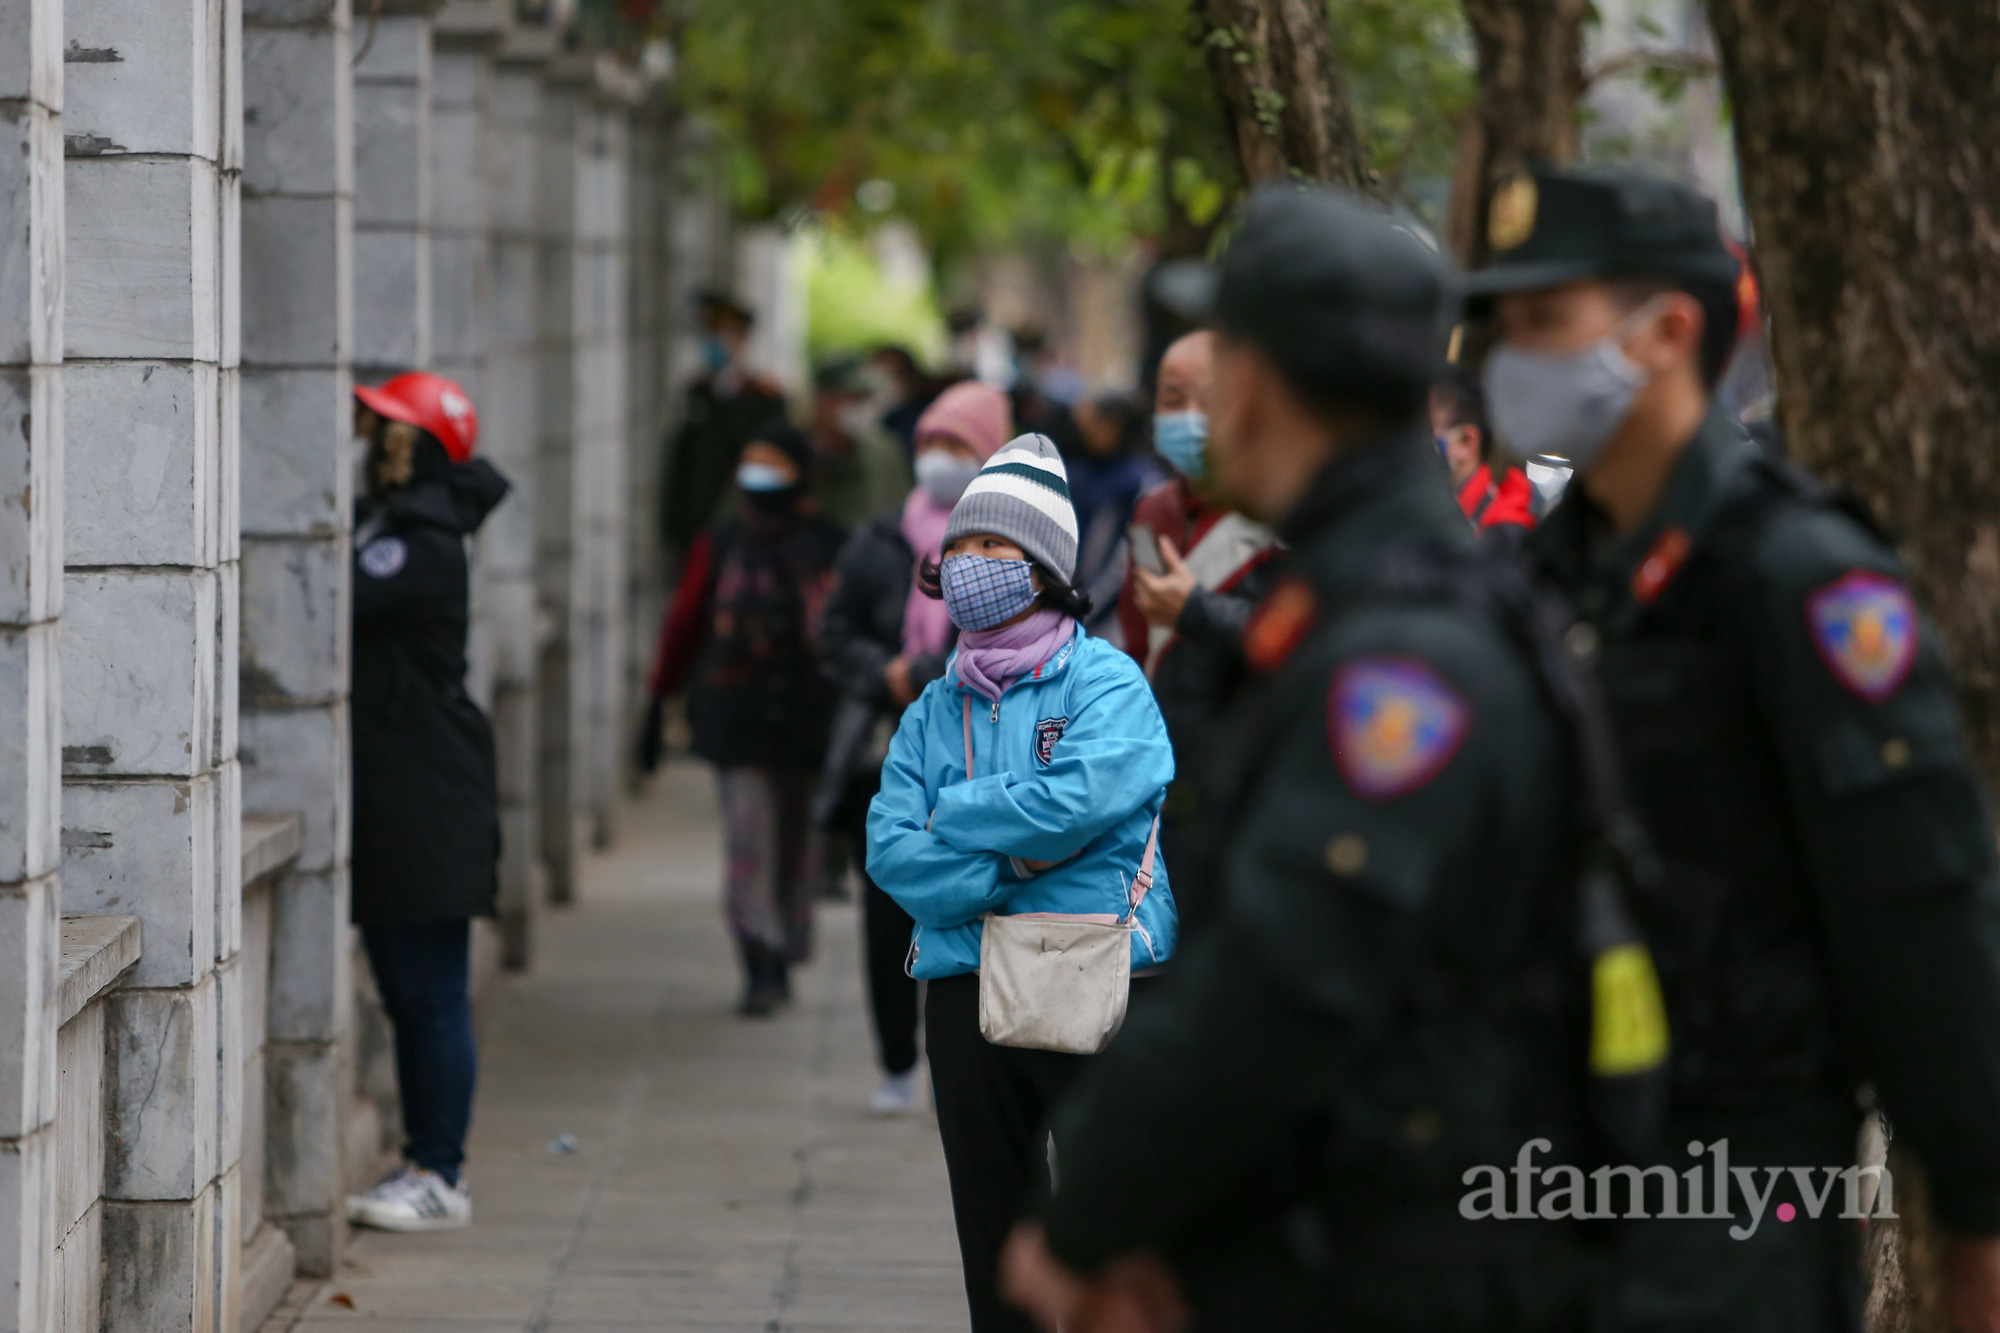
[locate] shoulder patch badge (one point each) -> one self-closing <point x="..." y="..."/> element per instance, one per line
<point x="1657" y="570"/>
<point x="1865" y="628"/>
<point x="1047" y="732"/>
<point x="384" y="557"/>
<point x="1510" y="218"/>
<point x="1394" y="725"/>
<point x="1279" y="624"/>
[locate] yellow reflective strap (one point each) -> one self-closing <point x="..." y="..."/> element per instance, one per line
<point x="1628" y="1020"/>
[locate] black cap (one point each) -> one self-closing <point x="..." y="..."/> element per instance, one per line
<point x="713" y="300"/>
<point x="841" y="375"/>
<point x="1349" y="300"/>
<point x="1548" y="227"/>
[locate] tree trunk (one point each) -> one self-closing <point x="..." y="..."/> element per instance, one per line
<point x="1273" y="65"/>
<point x="1872" y="175"/>
<point x="1530" y="77"/>
<point x="1864" y="135"/>
<point x="1902" y="1257"/>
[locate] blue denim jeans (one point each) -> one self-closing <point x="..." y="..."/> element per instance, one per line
<point x="424" y="974"/>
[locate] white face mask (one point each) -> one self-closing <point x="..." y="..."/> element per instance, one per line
<point x="944" y="475"/>
<point x="857" y="419"/>
<point x="1569" y="405"/>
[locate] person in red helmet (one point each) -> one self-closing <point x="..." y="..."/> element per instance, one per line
<point x="426" y="794"/>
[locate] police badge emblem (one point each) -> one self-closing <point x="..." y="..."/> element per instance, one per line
<point x="1047" y="732"/>
<point x="1510" y="218"/>
<point x="1865" y="628"/>
<point x="384" y="557"/>
<point x="1395" y="725"/>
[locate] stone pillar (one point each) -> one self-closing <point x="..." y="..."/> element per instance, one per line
<point x="392" y="194"/>
<point x="510" y="425"/>
<point x="600" y="434"/>
<point x="392" y="333"/>
<point x="649" y="405"/>
<point x="564" y="93"/>
<point x="466" y="140"/>
<point x="298" y="335"/>
<point x="153" y="121"/>
<point x="31" y="594"/>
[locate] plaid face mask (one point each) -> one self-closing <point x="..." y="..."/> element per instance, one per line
<point x="980" y="593"/>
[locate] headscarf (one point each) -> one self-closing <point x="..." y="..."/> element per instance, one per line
<point x="978" y="416"/>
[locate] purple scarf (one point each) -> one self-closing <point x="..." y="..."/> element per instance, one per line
<point x="989" y="660"/>
<point x="926" y="627"/>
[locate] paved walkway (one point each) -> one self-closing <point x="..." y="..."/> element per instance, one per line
<point x="727" y="1174"/>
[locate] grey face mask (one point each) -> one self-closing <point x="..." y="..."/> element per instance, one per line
<point x="1569" y="406"/>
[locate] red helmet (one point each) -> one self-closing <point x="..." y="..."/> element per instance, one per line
<point x="430" y="402"/>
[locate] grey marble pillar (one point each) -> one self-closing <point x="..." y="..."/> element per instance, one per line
<point x="152" y="799"/>
<point x="298" y="337"/>
<point x="31" y="596"/>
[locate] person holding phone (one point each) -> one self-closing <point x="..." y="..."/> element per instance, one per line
<point x="1198" y="569"/>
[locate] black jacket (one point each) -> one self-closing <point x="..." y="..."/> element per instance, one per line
<point x="1382" y="848"/>
<point x="702" y="455"/>
<point x="863" y="629"/>
<point x="739" y="638"/>
<point x="860" y="635"/>
<point x="1793" y="740"/>
<point x="426" y="794"/>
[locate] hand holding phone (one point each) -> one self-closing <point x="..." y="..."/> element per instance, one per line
<point x="1145" y="548"/>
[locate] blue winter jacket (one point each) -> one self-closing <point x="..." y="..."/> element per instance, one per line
<point x="1073" y="760"/>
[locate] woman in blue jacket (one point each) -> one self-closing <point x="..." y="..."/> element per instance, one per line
<point x="1069" y="761"/>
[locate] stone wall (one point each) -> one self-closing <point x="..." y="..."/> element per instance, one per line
<point x="31" y="598"/>
<point x="221" y="214"/>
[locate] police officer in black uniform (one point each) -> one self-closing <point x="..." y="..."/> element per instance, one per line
<point x="1827" y="916"/>
<point x="1277" y="1139"/>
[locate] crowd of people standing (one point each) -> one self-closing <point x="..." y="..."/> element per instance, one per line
<point x="1395" y="827"/>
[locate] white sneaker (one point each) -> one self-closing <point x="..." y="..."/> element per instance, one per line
<point x="897" y="1095"/>
<point x="412" y="1199"/>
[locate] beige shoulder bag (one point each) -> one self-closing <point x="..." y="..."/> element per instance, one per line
<point x="1054" y="981"/>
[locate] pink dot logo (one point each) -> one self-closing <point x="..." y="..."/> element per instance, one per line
<point x="1786" y="1212"/>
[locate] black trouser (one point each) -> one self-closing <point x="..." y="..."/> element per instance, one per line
<point x="423" y="972"/>
<point x="891" y="992"/>
<point x="993" y="1106"/>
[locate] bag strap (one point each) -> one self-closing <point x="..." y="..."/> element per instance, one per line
<point x="1142" y="882"/>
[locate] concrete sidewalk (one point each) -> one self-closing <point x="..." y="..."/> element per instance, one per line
<point x="727" y="1174"/>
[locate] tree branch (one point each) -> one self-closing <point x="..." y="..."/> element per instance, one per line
<point x="1691" y="63"/>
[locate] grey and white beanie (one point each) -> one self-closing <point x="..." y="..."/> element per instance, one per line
<point x="1022" y="494"/>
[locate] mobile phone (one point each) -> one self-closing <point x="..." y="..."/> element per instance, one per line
<point x="1145" y="548"/>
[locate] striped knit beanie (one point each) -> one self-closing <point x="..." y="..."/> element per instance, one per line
<point x="1022" y="494"/>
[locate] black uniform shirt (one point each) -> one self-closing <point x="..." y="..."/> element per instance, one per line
<point x="1790" y="736"/>
<point x="1386" y="815"/>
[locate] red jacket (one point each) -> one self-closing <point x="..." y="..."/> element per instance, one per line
<point x="1489" y="504"/>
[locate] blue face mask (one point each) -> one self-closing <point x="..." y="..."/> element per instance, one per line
<point x="761" y="478"/>
<point x="1182" y="439"/>
<point x="714" y="353"/>
<point x="981" y="593"/>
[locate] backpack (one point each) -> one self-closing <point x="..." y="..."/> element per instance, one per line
<point x="1627" y="1069"/>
